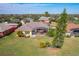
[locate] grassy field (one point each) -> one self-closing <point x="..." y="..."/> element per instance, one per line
<point x="12" y="45"/>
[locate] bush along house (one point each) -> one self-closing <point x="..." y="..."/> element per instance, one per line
<point x="7" y="28"/>
<point x="32" y="29"/>
<point x="72" y="29"/>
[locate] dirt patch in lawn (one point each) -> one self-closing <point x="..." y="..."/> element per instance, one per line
<point x="53" y="51"/>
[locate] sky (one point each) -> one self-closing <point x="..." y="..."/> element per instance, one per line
<point x="38" y="8"/>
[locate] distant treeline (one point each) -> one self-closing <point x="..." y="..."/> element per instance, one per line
<point x="9" y="17"/>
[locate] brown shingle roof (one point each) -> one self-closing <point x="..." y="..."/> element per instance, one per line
<point x="31" y="26"/>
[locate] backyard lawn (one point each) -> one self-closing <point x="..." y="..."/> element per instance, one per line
<point x="13" y="45"/>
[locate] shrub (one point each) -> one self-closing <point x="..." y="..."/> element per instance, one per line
<point x="44" y="44"/>
<point x="68" y="35"/>
<point x="47" y="44"/>
<point x="20" y="34"/>
<point x="51" y="32"/>
<point x="19" y="24"/>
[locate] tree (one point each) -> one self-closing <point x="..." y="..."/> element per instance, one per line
<point x="60" y="30"/>
<point x="47" y="14"/>
<point x="51" y="32"/>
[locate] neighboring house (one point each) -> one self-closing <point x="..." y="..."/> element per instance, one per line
<point x="76" y="18"/>
<point x="26" y="20"/>
<point x="44" y="19"/>
<point x="6" y="28"/>
<point x="73" y="29"/>
<point x="31" y="29"/>
<point x="15" y="25"/>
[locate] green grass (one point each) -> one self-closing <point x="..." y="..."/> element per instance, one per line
<point x="13" y="45"/>
<point x="70" y="47"/>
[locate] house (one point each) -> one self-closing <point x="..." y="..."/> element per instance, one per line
<point x="26" y="20"/>
<point x="6" y="28"/>
<point x="44" y="19"/>
<point x="73" y="29"/>
<point x="76" y="18"/>
<point x="33" y="28"/>
<point x="15" y="25"/>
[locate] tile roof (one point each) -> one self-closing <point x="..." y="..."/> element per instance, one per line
<point x="71" y="26"/>
<point x="31" y="26"/>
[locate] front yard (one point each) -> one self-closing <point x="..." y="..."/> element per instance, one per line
<point x="13" y="45"/>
